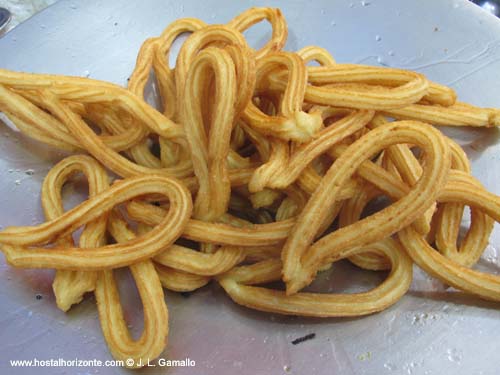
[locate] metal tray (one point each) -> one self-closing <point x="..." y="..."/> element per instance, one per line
<point x="432" y="330"/>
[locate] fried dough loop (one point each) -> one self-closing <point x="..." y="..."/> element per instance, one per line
<point x="238" y="283"/>
<point x="209" y="151"/>
<point x="69" y="286"/>
<point x="155" y="332"/>
<point x="292" y="123"/>
<point x="299" y="266"/>
<point x="260" y="165"/>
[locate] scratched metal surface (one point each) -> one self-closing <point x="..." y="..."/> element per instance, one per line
<point x="432" y="330"/>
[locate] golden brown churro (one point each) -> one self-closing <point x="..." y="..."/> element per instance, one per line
<point x="69" y="286"/>
<point x="281" y="159"/>
<point x="19" y="243"/>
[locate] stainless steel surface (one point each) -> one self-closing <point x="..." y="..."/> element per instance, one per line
<point x="5" y="17"/>
<point x="432" y="330"/>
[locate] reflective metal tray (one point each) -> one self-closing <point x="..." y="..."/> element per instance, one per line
<point x="432" y="330"/>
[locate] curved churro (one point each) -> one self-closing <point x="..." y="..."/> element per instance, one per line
<point x="200" y="39"/>
<point x="458" y="114"/>
<point x="86" y="91"/>
<point x="318" y="54"/>
<point x="70" y="286"/>
<point x="292" y="123"/>
<point x="209" y="151"/>
<point x="218" y="233"/>
<point x="180" y="281"/>
<point x="198" y="263"/>
<point x="303" y="154"/>
<point x="299" y="264"/>
<point x="252" y="16"/>
<point x="237" y="284"/>
<point x="351" y="213"/>
<point x="400" y="88"/>
<point x="155" y="332"/>
<point x="17" y="242"/>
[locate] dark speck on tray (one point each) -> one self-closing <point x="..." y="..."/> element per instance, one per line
<point x="309" y="336"/>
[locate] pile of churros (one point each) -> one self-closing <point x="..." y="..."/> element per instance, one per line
<point x="258" y="167"/>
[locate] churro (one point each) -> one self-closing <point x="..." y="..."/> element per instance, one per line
<point x="258" y="167"/>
